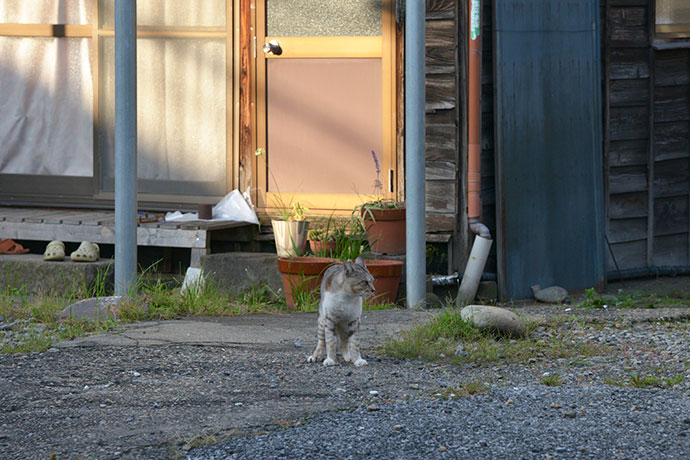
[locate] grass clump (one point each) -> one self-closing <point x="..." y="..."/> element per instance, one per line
<point x="448" y="337"/>
<point x="552" y="380"/>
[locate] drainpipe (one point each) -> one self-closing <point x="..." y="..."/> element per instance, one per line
<point x="482" y="240"/>
<point x="415" y="111"/>
<point x="125" y="146"/>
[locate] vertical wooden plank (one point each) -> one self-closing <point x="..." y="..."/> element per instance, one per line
<point x="461" y="234"/>
<point x="650" y="161"/>
<point x="232" y="96"/>
<point x="607" y="105"/>
<point x="246" y="46"/>
<point x="400" y="106"/>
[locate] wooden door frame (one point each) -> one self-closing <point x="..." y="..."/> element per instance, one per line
<point x="383" y="47"/>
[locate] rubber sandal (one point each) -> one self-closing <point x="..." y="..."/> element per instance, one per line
<point x="86" y="252"/>
<point x="8" y="246"/>
<point x="54" y="251"/>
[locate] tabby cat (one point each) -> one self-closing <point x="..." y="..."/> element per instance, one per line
<point x="340" y="308"/>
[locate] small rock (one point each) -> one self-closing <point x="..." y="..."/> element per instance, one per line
<point x="495" y="319"/>
<point x="555" y="406"/>
<point x="552" y="294"/>
<point x="239" y="404"/>
<point x="569" y="414"/>
<point x="460" y="351"/>
<point x="156" y="405"/>
<point x="93" y="309"/>
<point x="442" y="449"/>
<point x="510" y="401"/>
<point x="298" y="345"/>
<point x="373" y="408"/>
<point x="136" y="374"/>
<point x="414" y="386"/>
<point x="53" y="350"/>
<point x="686" y="421"/>
<point x="374" y="393"/>
<point x="397" y="428"/>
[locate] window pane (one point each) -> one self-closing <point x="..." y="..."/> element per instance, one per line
<point x="323" y="18"/>
<point x="179" y="13"/>
<point x="181" y="89"/>
<point x="670" y="12"/>
<point x="46" y="96"/>
<point x="46" y="11"/>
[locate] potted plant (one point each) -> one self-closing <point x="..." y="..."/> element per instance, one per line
<point x="322" y="242"/>
<point x="304" y="274"/>
<point x="384" y="219"/>
<point x="290" y="230"/>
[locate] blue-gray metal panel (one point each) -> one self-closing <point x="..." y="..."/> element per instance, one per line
<point x="550" y="206"/>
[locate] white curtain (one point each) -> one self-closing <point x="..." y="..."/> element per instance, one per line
<point x="181" y="89"/>
<point x="46" y="93"/>
<point x="672" y="12"/>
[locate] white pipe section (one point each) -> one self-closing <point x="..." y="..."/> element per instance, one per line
<point x="474" y="270"/>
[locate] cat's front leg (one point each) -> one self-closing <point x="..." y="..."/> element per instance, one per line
<point x="329" y="335"/>
<point x="353" y="344"/>
<point x="320" y="346"/>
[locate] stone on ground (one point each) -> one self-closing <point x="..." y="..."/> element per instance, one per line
<point x="495" y="319"/>
<point x="93" y="309"/>
<point x="552" y="294"/>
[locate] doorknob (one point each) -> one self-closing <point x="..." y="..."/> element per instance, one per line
<point x="273" y="47"/>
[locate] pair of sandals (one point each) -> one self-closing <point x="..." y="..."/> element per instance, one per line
<point x="86" y="252"/>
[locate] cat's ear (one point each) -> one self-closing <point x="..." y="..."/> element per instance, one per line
<point x="360" y="262"/>
<point x="348" y="266"/>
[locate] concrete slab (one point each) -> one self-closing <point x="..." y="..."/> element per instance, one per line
<point x="249" y="330"/>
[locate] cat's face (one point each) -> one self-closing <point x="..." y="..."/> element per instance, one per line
<point x="358" y="280"/>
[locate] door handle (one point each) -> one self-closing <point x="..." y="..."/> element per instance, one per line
<point x="273" y="47"/>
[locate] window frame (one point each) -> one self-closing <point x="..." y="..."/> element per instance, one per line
<point x="668" y="31"/>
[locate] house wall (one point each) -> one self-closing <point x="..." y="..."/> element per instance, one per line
<point x="445" y="208"/>
<point x="646" y="104"/>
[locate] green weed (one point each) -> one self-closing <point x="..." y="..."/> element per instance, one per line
<point x="447" y="337"/>
<point x="552" y="380"/>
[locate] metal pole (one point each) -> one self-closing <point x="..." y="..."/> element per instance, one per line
<point x="415" y="196"/>
<point x="125" y="146"/>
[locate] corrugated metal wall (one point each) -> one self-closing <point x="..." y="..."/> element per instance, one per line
<point x="550" y="207"/>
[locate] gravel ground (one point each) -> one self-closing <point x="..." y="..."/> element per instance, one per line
<point x="507" y="423"/>
<point x="172" y="401"/>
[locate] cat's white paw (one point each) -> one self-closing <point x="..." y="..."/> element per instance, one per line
<point x="328" y="362"/>
<point x="311" y="359"/>
<point x="361" y="362"/>
<point x="346" y="357"/>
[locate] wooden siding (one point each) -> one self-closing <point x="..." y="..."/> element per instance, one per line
<point x="647" y="103"/>
<point x="444" y="164"/>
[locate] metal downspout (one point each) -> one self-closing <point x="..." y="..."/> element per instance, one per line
<point x="125" y="146"/>
<point x="415" y="195"/>
<point x="482" y="241"/>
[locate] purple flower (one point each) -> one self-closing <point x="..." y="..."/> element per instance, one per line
<point x="378" y="185"/>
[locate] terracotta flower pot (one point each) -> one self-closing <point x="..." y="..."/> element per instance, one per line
<point x="290" y="237"/>
<point x="385" y="230"/>
<point x="322" y="247"/>
<point x="301" y="274"/>
<point x="386" y="275"/>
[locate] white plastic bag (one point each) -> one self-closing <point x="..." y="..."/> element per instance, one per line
<point x="234" y="206"/>
<point x="237" y="207"/>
